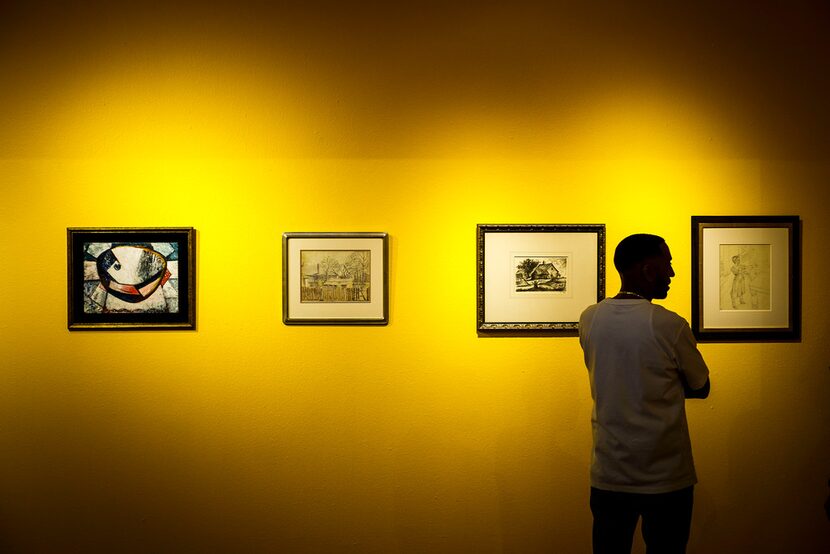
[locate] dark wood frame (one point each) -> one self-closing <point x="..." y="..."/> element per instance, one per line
<point x="791" y="332"/>
<point x="288" y="319"/>
<point x="520" y="328"/>
<point x="185" y="319"/>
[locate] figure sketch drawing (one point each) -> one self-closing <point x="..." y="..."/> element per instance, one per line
<point x="744" y="277"/>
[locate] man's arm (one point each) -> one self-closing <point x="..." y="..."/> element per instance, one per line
<point x="694" y="375"/>
<point x="689" y="392"/>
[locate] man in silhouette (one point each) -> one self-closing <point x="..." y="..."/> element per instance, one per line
<point x="643" y="363"/>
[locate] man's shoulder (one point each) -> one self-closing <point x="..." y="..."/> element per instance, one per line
<point x="586" y="318"/>
<point x="665" y="312"/>
<point x="590" y="309"/>
<point x="665" y="317"/>
<point x="589" y="312"/>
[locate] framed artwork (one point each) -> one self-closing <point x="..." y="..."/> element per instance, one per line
<point x="131" y="278"/>
<point x="537" y="279"/>
<point x="746" y="273"/>
<point x="335" y="278"/>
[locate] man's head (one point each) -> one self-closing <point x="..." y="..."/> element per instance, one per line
<point x="644" y="264"/>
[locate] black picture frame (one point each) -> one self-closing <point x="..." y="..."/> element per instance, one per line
<point x="100" y="258"/>
<point x="746" y="275"/>
<point x="517" y="298"/>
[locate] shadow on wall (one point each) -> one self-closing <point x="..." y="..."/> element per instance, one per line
<point x="827" y="503"/>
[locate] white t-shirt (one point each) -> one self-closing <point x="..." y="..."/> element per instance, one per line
<point x="635" y="352"/>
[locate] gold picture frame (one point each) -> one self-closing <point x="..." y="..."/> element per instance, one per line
<point x="335" y="278"/>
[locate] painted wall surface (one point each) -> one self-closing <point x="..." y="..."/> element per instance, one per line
<point x="421" y="121"/>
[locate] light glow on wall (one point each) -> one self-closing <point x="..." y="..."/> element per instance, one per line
<point x="249" y="435"/>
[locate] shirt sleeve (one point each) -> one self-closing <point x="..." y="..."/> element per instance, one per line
<point x="689" y="359"/>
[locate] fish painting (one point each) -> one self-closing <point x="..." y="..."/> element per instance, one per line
<point x="132" y="273"/>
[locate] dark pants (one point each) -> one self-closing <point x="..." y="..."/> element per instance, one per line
<point x="666" y="517"/>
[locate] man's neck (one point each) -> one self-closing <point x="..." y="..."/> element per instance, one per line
<point x="631" y="292"/>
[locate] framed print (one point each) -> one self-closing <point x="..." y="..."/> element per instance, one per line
<point x="537" y="279"/>
<point x="746" y="273"/>
<point x="335" y="278"/>
<point x="131" y="278"/>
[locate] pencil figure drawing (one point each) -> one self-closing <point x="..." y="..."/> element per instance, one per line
<point x="744" y="277"/>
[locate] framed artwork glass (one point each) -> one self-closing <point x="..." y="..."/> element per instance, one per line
<point x="131" y="278"/>
<point x="537" y="279"/>
<point x="746" y="273"/>
<point x="335" y="278"/>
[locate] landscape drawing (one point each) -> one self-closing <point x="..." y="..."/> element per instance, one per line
<point x="744" y="276"/>
<point x="335" y="276"/>
<point x="541" y="274"/>
<point x="131" y="277"/>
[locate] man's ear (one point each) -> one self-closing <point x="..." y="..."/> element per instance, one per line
<point x="648" y="272"/>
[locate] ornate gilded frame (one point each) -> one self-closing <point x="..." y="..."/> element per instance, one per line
<point x="510" y="304"/>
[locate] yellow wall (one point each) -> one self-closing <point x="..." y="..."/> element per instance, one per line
<point x="250" y="436"/>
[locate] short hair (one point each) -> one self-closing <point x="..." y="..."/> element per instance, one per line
<point x="635" y="249"/>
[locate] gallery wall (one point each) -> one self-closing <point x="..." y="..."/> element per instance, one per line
<point x="245" y="122"/>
